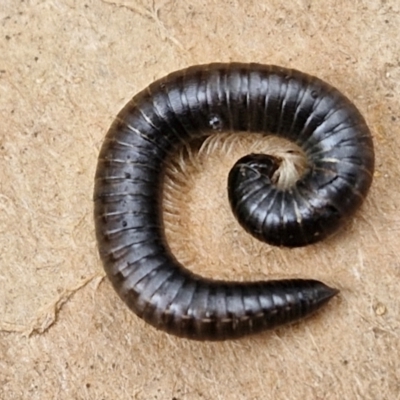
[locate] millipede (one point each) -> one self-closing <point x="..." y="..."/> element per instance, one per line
<point x="194" y="103"/>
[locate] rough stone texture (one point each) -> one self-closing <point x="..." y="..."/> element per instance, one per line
<point x="66" y="68"/>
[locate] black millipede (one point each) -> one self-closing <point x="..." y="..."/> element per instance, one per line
<point x="196" y="102"/>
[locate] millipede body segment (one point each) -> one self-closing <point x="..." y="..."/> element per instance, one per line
<point x="197" y="102"/>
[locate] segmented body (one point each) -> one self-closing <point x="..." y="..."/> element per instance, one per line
<point x="206" y="99"/>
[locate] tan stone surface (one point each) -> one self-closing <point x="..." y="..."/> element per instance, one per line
<point x="66" y="68"/>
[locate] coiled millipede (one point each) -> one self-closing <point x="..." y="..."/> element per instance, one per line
<point x="198" y="101"/>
